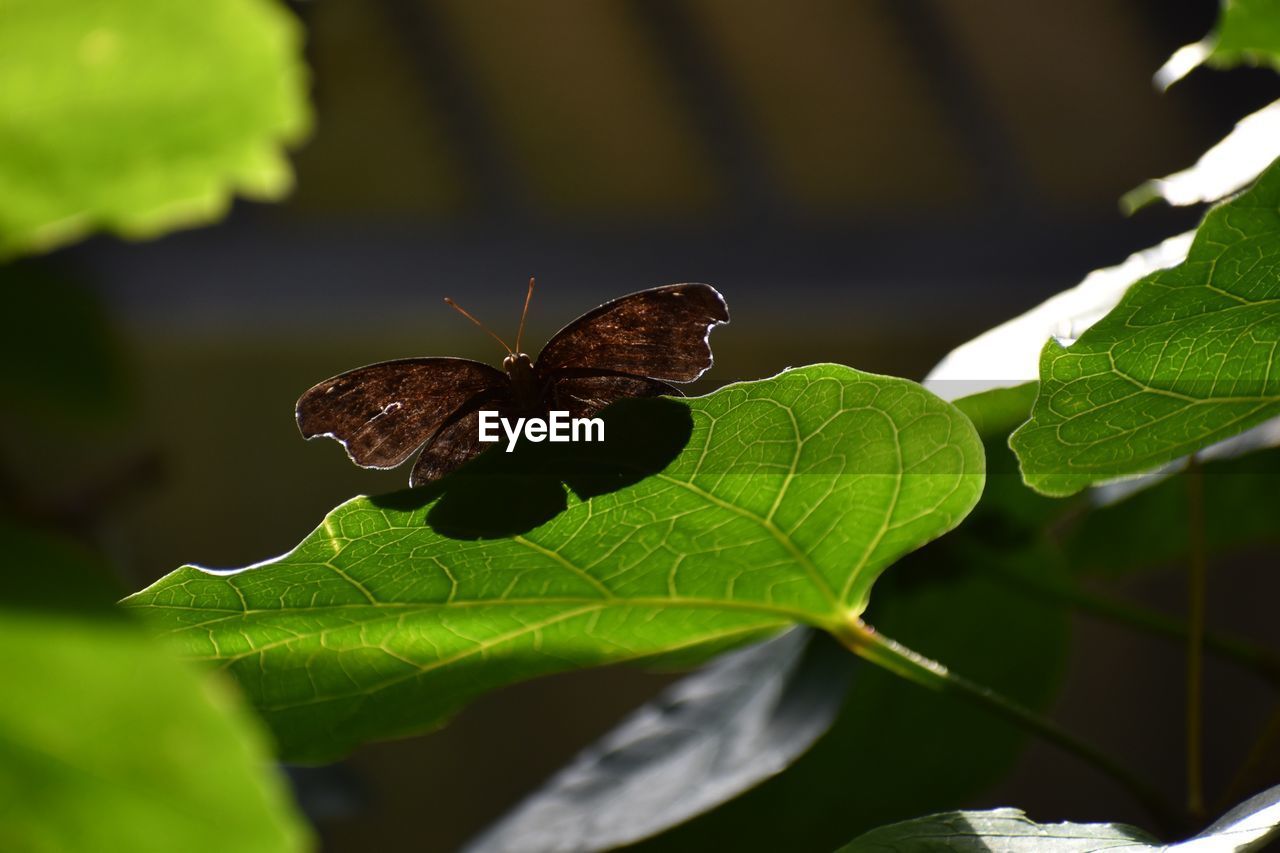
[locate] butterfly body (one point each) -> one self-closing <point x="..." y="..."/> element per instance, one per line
<point x="526" y="395"/>
<point x="634" y="346"/>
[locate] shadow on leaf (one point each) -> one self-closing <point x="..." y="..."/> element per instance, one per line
<point x="501" y="494"/>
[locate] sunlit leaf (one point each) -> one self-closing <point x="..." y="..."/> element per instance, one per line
<point x="140" y="116"/>
<point x="1188" y="358"/>
<point x="781" y="503"/>
<point x="106" y="741"/>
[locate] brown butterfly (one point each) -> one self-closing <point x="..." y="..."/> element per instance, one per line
<point x="630" y="347"/>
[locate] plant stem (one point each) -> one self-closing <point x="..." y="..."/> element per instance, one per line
<point x="1197" y="583"/>
<point x="865" y="642"/>
<point x="1252" y="774"/>
<point x="1259" y="659"/>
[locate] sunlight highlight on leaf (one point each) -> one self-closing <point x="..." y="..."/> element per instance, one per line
<point x="1228" y="167"/>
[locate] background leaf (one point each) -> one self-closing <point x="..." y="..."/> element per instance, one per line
<point x="788" y="500"/>
<point x="1247" y="33"/>
<point x="1008" y="830"/>
<point x="139" y="116"/>
<point x="106" y="741"/>
<point x="1185" y="360"/>
<point x="706" y="739"/>
<point x="1249" y="826"/>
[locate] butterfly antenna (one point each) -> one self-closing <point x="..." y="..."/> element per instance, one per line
<point x="456" y="307"/>
<point x="524" y="313"/>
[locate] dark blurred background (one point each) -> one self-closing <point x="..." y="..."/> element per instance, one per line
<point x="866" y="182"/>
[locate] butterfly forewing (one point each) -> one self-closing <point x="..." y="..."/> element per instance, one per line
<point x="384" y="412"/>
<point x="660" y="333"/>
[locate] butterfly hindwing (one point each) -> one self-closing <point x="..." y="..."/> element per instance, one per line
<point x="383" y="413"/>
<point x="584" y="396"/>
<point x="661" y="333"/>
<point x="457" y="442"/>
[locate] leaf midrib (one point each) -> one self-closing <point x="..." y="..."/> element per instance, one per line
<point x="789" y="613"/>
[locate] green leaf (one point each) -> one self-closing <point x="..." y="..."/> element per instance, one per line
<point x="1010" y="514"/>
<point x="109" y="743"/>
<point x="140" y="116"/>
<point x="1249" y="826"/>
<point x="786" y="499"/>
<point x="997" y="412"/>
<point x="1247" y="33"/>
<point x="1187" y="358"/>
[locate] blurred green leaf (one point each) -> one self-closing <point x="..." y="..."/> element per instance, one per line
<point x="1247" y="33"/>
<point x="140" y="116"/>
<point x="1187" y="358"/>
<point x="788" y="498"/>
<point x="106" y="741"/>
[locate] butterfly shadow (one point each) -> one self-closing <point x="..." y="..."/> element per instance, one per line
<point x="500" y="494"/>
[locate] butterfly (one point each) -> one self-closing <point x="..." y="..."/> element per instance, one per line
<point x="634" y="346"/>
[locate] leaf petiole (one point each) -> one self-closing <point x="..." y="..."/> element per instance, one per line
<point x="872" y="646"/>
